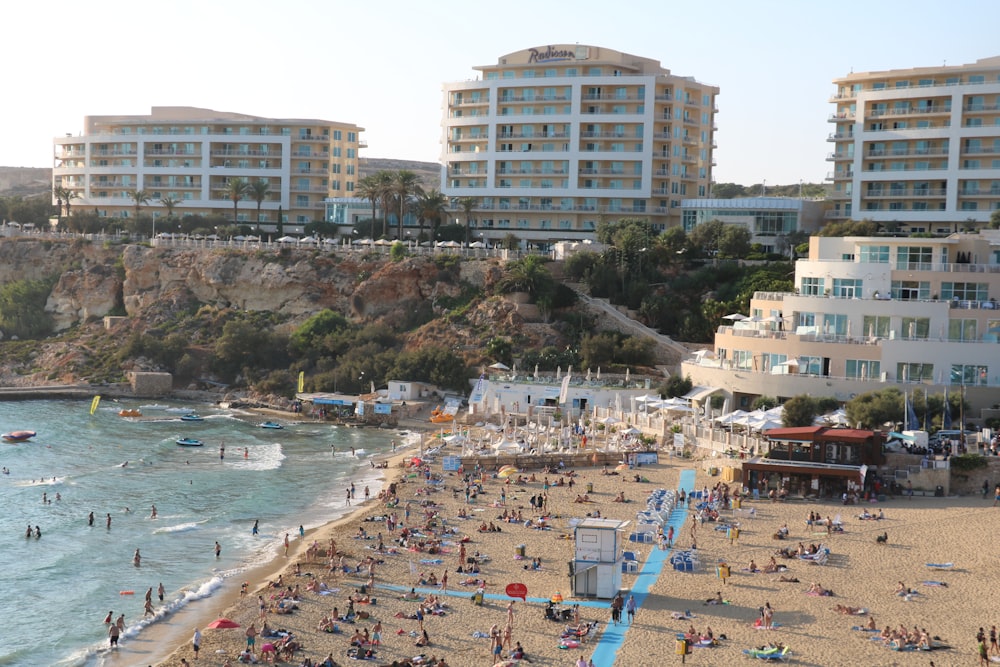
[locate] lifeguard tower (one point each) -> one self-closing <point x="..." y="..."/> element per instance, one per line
<point x="596" y="570"/>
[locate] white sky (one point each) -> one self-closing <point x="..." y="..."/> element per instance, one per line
<point x="381" y="63"/>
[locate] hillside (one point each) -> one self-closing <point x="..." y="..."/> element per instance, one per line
<point x="195" y="291"/>
<point x="24" y="181"/>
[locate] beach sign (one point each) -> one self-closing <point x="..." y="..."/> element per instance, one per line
<point x="451" y="463"/>
<point x="517" y="591"/>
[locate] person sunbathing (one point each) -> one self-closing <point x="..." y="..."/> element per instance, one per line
<point x="817" y="589"/>
<point x="771" y="567"/>
<point x="849" y="611"/>
<point x="579" y="499"/>
<point x="871" y="623"/>
<point x="793" y="580"/>
<point x="752" y="566"/>
<point x="716" y="600"/>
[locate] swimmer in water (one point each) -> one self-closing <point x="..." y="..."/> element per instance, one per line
<point x="152" y="514"/>
<point x="246" y="452"/>
<point x="137" y="559"/>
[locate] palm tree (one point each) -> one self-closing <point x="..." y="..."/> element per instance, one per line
<point x="140" y="198"/>
<point x="468" y="204"/>
<point x="431" y="207"/>
<point x="384" y="181"/>
<point x="236" y="189"/>
<point x="404" y="184"/>
<point x="259" y="190"/>
<point x="64" y="196"/>
<point x="170" y="203"/>
<point x="368" y="189"/>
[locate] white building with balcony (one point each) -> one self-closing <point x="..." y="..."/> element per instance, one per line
<point x="550" y="141"/>
<point x="866" y="313"/>
<point x="918" y="149"/>
<point x="188" y="155"/>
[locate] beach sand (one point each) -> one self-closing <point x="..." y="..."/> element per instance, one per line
<point x="861" y="573"/>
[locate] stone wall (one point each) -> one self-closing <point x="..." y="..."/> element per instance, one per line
<point x="151" y="384"/>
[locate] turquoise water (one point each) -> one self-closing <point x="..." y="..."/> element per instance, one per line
<point x="59" y="588"/>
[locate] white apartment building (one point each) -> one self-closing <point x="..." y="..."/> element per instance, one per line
<point x="550" y="141"/>
<point x="771" y="221"/>
<point x="190" y="154"/>
<point x="866" y="313"/>
<point x="918" y="150"/>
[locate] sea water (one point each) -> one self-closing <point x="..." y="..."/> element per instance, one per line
<point x="57" y="589"/>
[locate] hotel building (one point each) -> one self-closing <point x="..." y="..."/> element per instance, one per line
<point x="189" y="154"/>
<point x="868" y="312"/>
<point x="918" y="150"/>
<point x="771" y="221"/>
<point x="552" y="140"/>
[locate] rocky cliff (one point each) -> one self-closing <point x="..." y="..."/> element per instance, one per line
<point x="151" y="283"/>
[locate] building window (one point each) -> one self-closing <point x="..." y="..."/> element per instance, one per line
<point x="969" y="374"/>
<point x="835" y="323"/>
<point x="862" y="369"/>
<point x="915" y="258"/>
<point x="847" y="288"/>
<point x="910" y="290"/>
<point x="965" y="291"/>
<point x="916" y="327"/>
<point x="914" y="372"/>
<point x="812" y="286"/>
<point x="959" y="330"/>
<point x="876" y="325"/>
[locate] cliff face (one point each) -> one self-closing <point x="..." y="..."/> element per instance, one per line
<point x="158" y="281"/>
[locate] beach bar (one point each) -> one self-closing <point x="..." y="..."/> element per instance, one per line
<point x="596" y="570"/>
<point x="814" y="461"/>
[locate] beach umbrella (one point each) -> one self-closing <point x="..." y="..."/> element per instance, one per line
<point x="223" y="623"/>
<point x="621" y="467"/>
<point x="507" y="473"/>
<point x="557" y="598"/>
<point x="735" y="317"/>
<point x="500" y="366"/>
<point x="507" y="467"/>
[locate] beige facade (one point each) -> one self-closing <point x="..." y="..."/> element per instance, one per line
<point x="869" y="312"/>
<point x="189" y="154"/>
<point x="918" y="150"/>
<point x="552" y="140"/>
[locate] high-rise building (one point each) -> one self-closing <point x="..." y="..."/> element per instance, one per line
<point x="189" y="155"/>
<point x="918" y="150"/>
<point x="552" y="140"/>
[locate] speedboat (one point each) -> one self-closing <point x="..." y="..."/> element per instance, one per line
<point x="189" y="442"/>
<point x="192" y="417"/>
<point x="272" y="425"/>
<point x="18" y="436"/>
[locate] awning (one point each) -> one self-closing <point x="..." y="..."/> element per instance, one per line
<point x="700" y="393"/>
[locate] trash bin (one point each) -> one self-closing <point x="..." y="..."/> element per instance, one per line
<point x="521" y="549"/>
<point x="737" y="503"/>
<point x="590" y="487"/>
<point x="681" y="648"/>
<point x="939" y="491"/>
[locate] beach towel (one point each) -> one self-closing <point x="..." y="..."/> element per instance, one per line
<point x="431" y="561"/>
<point x="858" y="628"/>
<point x="935" y="583"/>
<point x="940" y="566"/>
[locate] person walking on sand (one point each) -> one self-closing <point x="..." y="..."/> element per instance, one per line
<point x="113" y="634"/>
<point x="444" y="582"/>
<point x="286" y="544"/>
<point x="196" y="642"/>
<point x="630" y="607"/>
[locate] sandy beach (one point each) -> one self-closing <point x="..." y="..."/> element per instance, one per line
<point x="950" y="603"/>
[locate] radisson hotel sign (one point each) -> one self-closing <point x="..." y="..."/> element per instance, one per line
<point x="553" y="53"/>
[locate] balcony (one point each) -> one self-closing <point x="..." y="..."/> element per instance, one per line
<point x="470" y="102"/>
<point x="916" y="152"/>
<point x="903" y="193"/>
<point x="310" y="137"/>
<point x="504" y="99"/>
<point x="841" y="136"/>
<point x="911" y="111"/>
<point x="249" y="152"/>
<point x="975" y="108"/>
<point x="841" y="117"/>
<point x="612" y="98"/>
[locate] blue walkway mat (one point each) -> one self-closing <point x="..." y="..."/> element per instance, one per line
<point x="614" y="635"/>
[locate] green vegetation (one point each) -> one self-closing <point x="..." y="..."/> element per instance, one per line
<point x="22" y="309"/>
